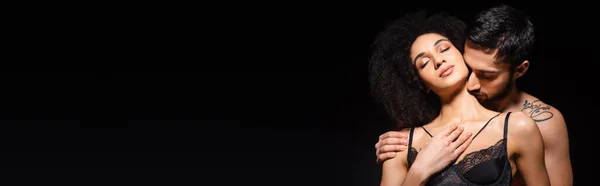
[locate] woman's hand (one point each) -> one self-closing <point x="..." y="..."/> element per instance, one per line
<point x="443" y="149"/>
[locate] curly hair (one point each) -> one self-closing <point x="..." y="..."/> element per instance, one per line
<point x="394" y="81"/>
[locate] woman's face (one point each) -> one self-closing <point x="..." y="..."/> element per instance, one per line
<point x="438" y="62"/>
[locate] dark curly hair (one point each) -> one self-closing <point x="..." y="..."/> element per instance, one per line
<point x="395" y="83"/>
<point x="504" y="28"/>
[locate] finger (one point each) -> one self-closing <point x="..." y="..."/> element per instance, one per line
<point x="392" y="134"/>
<point x="448" y="130"/>
<point x="455" y="134"/>
<point x="463" y="137"/>
<point x="394" y="141"/>
<point x="386" y="156"/>
<point x="392" y="148"/>
<point x="462" y="147"/>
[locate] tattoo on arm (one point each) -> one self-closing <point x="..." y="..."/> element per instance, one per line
<point x="537" y="111"/>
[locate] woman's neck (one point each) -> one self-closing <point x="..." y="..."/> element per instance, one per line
<point x="460" y="106"/>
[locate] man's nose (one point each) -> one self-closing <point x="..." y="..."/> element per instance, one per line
<point x="473" y="83"/>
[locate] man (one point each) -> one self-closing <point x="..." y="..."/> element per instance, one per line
<point x="498" y="45"/>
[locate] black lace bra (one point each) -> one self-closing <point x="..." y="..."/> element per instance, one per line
<point x="489" y="166"/>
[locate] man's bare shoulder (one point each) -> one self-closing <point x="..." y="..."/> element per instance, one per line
<point x="540" y="111"/>
<point x="549" y="119"/>
<point x="554" y="132"/>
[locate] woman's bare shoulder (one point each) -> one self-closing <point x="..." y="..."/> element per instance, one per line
<point x="521" y="126"/>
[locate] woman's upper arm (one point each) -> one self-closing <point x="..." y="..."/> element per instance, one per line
<point x="529" y="149"/>
<point x="394" y="170"/>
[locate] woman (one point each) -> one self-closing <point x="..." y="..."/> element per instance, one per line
<point x="419" y="75"/>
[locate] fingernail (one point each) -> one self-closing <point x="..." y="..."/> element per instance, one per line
<point x="402" y="147"/>
<point x="393" y="153"/>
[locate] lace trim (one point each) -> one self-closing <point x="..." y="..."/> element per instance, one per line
<point x="472" y="159"/>
<point x="477" y="157"/>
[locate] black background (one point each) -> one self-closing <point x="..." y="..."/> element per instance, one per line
<point x="279" y="95"/>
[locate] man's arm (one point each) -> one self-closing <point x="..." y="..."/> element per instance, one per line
<point x="556" y="149"/>
<point x="553" y="128"/>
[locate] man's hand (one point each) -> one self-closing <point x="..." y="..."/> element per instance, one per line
<point x="389" y="144"/>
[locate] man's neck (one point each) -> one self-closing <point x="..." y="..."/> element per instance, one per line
<point x="510" y="103"/>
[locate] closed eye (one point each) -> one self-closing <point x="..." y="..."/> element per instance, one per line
<point x="425" y="64"/>
<point x="484" y="76"/>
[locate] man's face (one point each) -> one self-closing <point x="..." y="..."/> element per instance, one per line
<point x="491" y="79"/>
